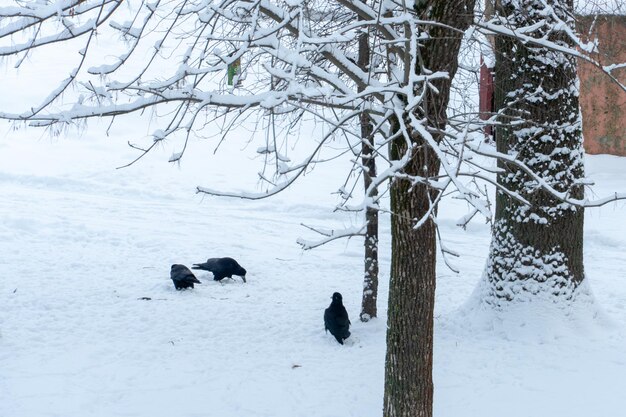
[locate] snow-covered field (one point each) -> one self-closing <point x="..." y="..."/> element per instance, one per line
<point x="82" y="242"/>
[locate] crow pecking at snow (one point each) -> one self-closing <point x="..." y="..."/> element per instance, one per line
<point x="222" y="268"/>
<point x="336" y="319"/>
<point x="182" y="277"/>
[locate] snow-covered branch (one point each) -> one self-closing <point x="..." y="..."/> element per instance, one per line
<point x="286" y="61"/>
<point x="330" y="235"/>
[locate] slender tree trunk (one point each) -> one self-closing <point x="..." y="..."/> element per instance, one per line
<point x="408" y="363"/>
<point x="370" y="283"/>
<point x="537" y="250"/>
<point x="368" y="159"/>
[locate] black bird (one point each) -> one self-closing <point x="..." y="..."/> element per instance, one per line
<point x="182" y="277"/>
<point x="222" y="268"/>
<point x="336" y="319"/>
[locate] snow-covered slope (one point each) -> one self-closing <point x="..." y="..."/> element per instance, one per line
<point x="82" y="242"/>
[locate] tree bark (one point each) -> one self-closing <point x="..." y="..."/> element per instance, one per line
<point x="537" y="250"/>
<point x="408" y="365"/>
<point x="368" y="158"/>
<point x="409" y="358"/>
<point x="370" y="282"/>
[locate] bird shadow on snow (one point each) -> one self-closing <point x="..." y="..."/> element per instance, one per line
<point x="362" y="335"/>
<point x="163" y="289"/>
<point x="351" y="342"/>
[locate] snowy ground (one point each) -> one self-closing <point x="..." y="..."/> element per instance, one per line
<point x="81" y="242"/>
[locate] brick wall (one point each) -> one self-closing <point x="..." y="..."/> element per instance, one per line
<point x="602" y="102"/>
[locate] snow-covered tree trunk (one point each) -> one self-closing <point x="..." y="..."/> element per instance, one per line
<point x="537" y="250"/>
<point x="408" y="363"/>
<point x="370" y="282"/>
<point x="369" y="308"/>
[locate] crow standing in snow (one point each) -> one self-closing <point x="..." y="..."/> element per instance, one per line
<point x="222" y="268"/>
<point x="182" y="277"/>
<point x="336" y="319"/>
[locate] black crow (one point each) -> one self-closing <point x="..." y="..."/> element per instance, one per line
<point x="336" y="319"/>
<point x="222" y="268"/>
<point x="182" y="277"/>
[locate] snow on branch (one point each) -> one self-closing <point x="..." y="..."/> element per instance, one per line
<point x="22" y="18"/>
<point x="290" y="63"/>
<point x="579" y="49"/>
<point x="330" y="235"/>
<point x="488" y="151"/>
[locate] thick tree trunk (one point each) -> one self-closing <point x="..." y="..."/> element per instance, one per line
<point x="368" y="159"/>
<point x="408" y="366"/>
<point x="537" y="250"/>
<point x="408" y="363"/>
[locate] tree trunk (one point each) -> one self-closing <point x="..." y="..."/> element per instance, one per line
<point x="537" y="250"/>
<point x="370" y="283"/>
<point x="368" y="159"/>
<point x="408" y="363"/>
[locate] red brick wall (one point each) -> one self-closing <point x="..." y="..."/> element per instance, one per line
<point x="602" y="102"/>
<point x="485" y="94"/>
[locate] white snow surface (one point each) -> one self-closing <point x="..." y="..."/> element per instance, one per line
<point x="82" y="242"/>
